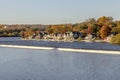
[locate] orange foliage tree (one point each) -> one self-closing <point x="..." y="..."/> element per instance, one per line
<point x="104" y="31"/>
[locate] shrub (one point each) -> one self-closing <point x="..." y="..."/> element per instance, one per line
<point x="79" y="39"/>
<point x="115" y="39"/>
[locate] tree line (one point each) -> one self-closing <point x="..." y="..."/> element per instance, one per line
<point x="101" y="27"/>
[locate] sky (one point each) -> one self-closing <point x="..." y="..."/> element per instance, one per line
<point x="56" y="11"/>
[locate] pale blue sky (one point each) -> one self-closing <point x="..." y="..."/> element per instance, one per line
<point x="56" y="11"/>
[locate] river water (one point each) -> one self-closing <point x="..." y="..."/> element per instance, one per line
<point x="28" y="64"/>
<point x="76" y="45"/>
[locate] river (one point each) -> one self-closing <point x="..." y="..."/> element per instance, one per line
<point x="28" y="64"/>
<point x="75" y="45"/>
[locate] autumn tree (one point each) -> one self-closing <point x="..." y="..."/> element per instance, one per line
<point x="116" y="30"/>
<point x="69" y="27"/>
<point x="49" y="29"/>
<point x="104" y="20"/>
<point x="89" y="30"/>
<point x="28" y="33"/>
<point x="116" y="39"/>
<point x="90" y="21"/>
<point x="104" y="31"/>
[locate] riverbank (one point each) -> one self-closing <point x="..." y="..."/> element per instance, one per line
<point x="62" y="49"/>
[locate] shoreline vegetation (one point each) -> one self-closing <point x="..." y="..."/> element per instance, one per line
<point x="103" y="29"/>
